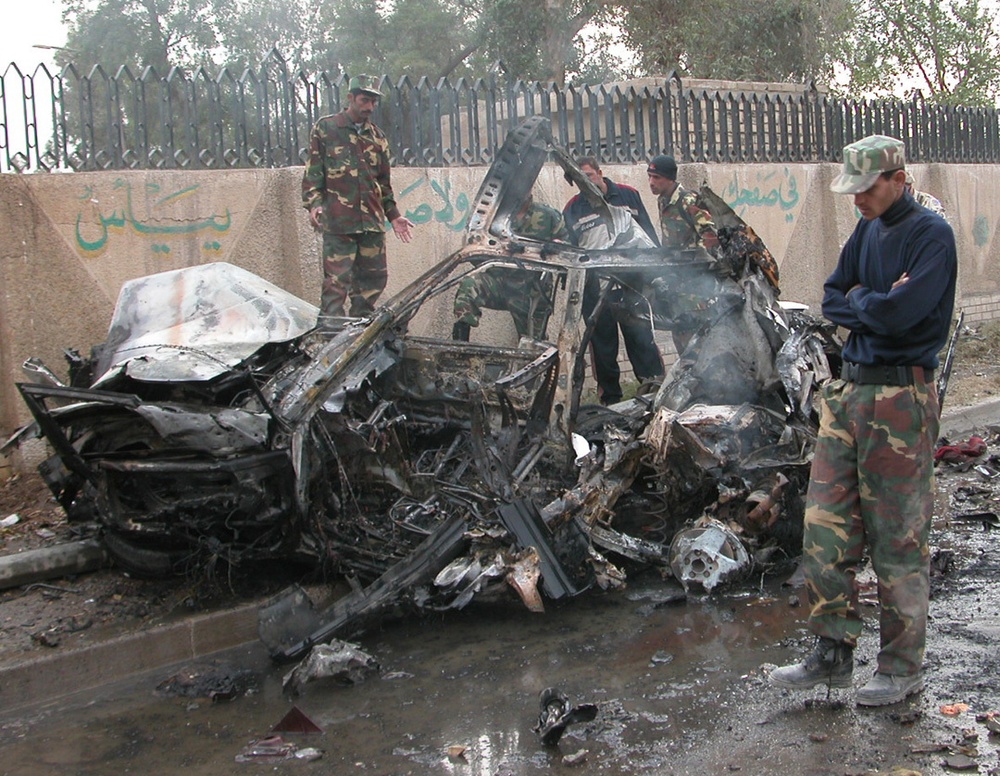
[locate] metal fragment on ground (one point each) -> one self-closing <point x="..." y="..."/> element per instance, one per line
<point x="556" y="714"/>
<point x="707" y="555"/>
<point x="341" y="661"/>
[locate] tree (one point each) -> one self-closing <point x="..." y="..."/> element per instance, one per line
<point x="432" y="38"/>
<point x="758" y="40"/>
<point x="138" y="33"/>
<point x="538" y="39"/>
<point x="949" y="50"/>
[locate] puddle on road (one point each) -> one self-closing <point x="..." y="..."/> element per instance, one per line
<point x="679" y="689"/>
<point x="661" y="675"/>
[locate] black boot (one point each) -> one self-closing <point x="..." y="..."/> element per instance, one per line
<point x="831" y="663"/>
<point x="460" y="331"/>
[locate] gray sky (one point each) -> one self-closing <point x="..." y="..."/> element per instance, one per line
<point x="25" y="24"/>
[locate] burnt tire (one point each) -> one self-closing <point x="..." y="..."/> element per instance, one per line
<point x="133" y="556"/>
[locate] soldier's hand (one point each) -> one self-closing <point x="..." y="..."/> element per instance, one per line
<point x="314" y="218"/>
<point x="402" y="225"/>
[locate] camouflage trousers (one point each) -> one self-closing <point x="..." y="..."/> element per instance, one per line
<point x="873" y="482"/>
<point x="353" y="265"/>
<point x="526" y="294"/>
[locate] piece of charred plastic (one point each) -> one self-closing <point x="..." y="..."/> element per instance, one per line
<point x="556" y="714"/>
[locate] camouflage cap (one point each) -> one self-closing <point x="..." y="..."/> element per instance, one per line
<point x="364" y="84"/>
<point x="865" y="160"/>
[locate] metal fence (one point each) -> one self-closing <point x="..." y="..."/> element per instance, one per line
<point x="261" y="118"/>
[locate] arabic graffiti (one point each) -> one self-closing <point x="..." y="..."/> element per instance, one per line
<point x="93" y="237"/>
<point x="454" y="216"/>
<point x="779" y="190"/>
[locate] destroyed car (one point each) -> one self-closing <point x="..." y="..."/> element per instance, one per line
<point x="224" y="424"/>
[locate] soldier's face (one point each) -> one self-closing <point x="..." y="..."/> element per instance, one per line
<point x="660" y="185"/>
<point x="876" y="200"/>
<point x="360" y="106"/>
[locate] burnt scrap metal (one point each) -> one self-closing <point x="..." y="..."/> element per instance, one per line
<point x="217" y="423"/>
<point x="707" y="555"/>
<point x="557" y="713"/>
<point x="339" y="661"/>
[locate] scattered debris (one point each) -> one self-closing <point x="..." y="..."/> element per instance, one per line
<point x="340" y="661"/>
<point x="217" y="682"/>
<point x="962" y="452"/>
<point x="577" y="758"/>
<point x="992" y="721"/>
<point x="907" y="717"/>
<point x="988" y="519"/>
<point x="273" y="749"/>
<point x="457" y="751"/>
<point x="296" y="721"/>
<point x="960" y="762"/>
<point x="954" y="709"/>
<point x="661" y="658"/>
<point x="47" y="638"/>
<point x="707" y="555"/>
<point x="10" y="520"/>
<point x="557" y="714"/>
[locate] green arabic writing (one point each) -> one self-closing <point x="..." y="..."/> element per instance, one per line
<point x="119" y="219"/>
<point x="784" y="195"/>
<point x="454" y="216"/>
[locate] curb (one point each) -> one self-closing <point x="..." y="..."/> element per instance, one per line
<point x="962" y="421"/>
<point x="44" y="679"/>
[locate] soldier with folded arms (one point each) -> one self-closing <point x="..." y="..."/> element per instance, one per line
<point x="872" y="479"/>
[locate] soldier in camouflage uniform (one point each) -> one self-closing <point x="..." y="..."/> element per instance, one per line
<point x="684" y="223"/>
<point x="347" y="192"/>
<point x="929" y="201"/>
<point x="526" y="294"/>
<point x="872" y="473"/>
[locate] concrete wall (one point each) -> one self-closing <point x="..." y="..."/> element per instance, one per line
<point x="68" y="241"/>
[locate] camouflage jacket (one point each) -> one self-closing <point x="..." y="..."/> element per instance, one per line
<point x="540" y="222"/>
<point x="929" y="201"/>
<point x="348" y="173"/>
<point x="684" y="223"/>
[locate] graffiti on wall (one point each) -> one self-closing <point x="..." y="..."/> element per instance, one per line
<point x="774" y="189"/>
<point x="95" y="228"/>
<point x="453" y="213"/>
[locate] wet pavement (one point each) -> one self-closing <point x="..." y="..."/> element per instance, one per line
<point x="680" y="689"/>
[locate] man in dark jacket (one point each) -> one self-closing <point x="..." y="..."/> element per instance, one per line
<point x="872" y="479"/>
<point x="642" y="350"/>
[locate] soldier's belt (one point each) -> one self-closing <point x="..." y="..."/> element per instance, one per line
<point x="865" y="374"/>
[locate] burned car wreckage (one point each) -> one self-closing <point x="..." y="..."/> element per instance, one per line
<point x="218" y="422"/>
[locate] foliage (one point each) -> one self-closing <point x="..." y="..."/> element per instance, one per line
<point x="755" y="40"/>
<point x="432" y="38"/>
<point x="949" y="49"/>
<point x="137" y="33"/>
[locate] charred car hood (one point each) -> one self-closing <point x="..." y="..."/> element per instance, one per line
<point x="197" y="323"/>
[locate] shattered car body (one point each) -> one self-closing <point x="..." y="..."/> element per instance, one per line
<point x="217" y="422"/>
